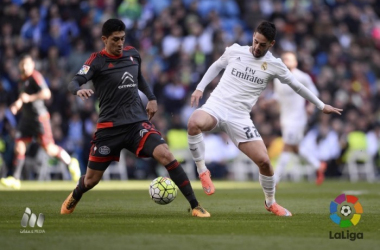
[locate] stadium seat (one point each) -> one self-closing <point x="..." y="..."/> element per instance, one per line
<point x="359" y="165"/>
<point x="243" y="168"/>
<point x="117" y="168"/>
<point x="207" y="6"/>
<point x="228" y="24"/>
<point x="298" y="170"/>
<point x="159" y="6"/>
<point x="46" y="166"/>
<point x="230" y="8"/>
<point x="187" y="2"/>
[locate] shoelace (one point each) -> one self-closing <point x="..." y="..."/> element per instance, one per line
<point x="72" y="202"/>
<point x="201" y="209"/>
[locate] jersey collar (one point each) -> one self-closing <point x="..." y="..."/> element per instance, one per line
<point x="104" y="52"/>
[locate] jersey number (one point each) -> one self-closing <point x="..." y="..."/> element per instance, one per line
<point x="250" y="134"/>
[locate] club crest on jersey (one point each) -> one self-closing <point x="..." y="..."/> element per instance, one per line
<point x="84" y="70"/>
<point x="131" y="58"/>
<point x="264" y="66"/>
<point x="104" y="150"/>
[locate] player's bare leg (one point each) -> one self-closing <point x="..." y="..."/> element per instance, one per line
<point x="319" y="166"/>
<point x="14" y="181"/>
<point x="85" y="183"/>
<point x="54" y="150"/>
<point x="198" y="122"/>
<point x="162" y="154"/>
<point x="321" y="173"/>
<point x="257" y="152"/>
<point x="288" y="152"/>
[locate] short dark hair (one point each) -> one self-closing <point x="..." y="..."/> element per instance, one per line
<point x="267" y="29"/>
<point x="112" y="25"/>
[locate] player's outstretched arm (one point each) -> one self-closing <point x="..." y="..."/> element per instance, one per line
<point x="210" y="74"/>
<point x="327" y="109"/>
<point x="308" y="95"/>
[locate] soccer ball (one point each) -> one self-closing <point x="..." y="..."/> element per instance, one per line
<point x="345" y="210"/>
<point x="162" y="190"/>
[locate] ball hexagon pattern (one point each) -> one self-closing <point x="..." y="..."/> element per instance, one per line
<point x="345" y="210"/>
<point x="162" y="190"/>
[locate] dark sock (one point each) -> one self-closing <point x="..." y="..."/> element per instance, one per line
<point x="80" y="189"/>
<point x="180" y="178"/>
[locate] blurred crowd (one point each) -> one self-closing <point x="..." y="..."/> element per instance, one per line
<point x="337" y="42"/>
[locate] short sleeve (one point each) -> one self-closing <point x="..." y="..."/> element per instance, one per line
<point x="90" y="67"/>
<point x="39" y="80"/>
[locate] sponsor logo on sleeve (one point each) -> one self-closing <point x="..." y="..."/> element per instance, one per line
<point x="84" y="70"/>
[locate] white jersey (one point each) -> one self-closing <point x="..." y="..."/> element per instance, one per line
<point x="245" y="77"/>
<point x="292" y="105"/>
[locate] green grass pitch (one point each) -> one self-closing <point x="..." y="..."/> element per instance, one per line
<point x="120" y="215"/>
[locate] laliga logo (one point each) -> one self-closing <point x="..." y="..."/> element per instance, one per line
<point x="346" y="211"/>
<point x="345" y="205"/>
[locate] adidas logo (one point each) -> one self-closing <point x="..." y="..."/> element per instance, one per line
<point x="238" y="58"/>
<point x="110" y="65"/>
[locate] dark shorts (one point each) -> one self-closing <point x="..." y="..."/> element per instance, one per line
<point x="108" y="142"/>
<point x="39" y="128"/>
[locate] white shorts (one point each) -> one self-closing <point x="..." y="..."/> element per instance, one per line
<point x="292" y="135"/>
<point x="237" y="124"/>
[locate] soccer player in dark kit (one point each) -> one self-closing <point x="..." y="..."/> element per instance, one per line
<point x="34" y="123"/>
<point x="123" y="120"/>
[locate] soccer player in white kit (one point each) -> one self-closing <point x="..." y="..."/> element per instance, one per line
<point x="293" y="118"/>
<point x="248" y="69"/>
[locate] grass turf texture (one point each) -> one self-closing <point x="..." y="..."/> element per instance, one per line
<point x="120" y="215"/>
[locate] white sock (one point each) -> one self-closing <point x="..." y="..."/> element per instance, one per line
<point x="197" y="149"/>
<point x="282" y="162"/>
<point x="268" y="183"/>
<point x="201" y="166"/>
<point x="310" y="159"/>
